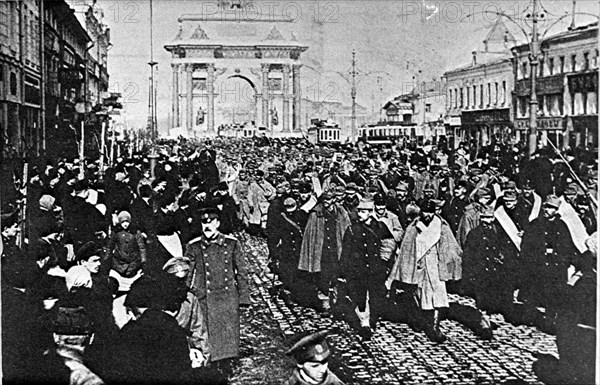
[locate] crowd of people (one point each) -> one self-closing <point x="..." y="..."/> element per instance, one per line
<point x="136" y="273"/>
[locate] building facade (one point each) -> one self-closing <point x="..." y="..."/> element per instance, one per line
<point x="566" y="88"/>
<point x="21" y="83"/>
<point x="479" y="95"/>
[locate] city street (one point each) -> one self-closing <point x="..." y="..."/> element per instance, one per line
<point x="395" y="355"/>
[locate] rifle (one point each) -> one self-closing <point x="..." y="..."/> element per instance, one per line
<point x="574" y="175"/>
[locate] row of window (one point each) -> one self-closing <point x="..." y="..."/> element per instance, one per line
<point x="382" y="132"/>
<point x="478" y="96"/>
<point x="329" y="134"/>
<point x="559" y="65"/>
<point x="552" y="105"/>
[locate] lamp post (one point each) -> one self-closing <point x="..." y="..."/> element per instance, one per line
<point x="153" y="129"/>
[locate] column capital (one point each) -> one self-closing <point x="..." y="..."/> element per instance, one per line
<point x="175" y="66"/>
<point x="286" y="68"/>
<point x="189" y="67"/>
<point x="296" y="67"/>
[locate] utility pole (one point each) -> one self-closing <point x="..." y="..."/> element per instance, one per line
<point x="353" y="95"/>
<point x="534" y="62"/>
<point x="153" y="129"/>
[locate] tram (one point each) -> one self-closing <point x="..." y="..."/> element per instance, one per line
<point x="324" y="131"/>
<point x="385" y="134"/>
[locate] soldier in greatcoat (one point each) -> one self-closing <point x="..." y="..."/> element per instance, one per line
<point x="322" y="246"/>
<point x="363" y="266"/>
<point x="289" y="234"/>
<point x="547" y="251"/>
<point x="429" y="257"/>
<point x="485" y="269"/>
<point x="219" y="278"/>
<point x="470" y="218"/>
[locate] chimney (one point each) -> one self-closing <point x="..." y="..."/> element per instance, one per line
<point x="474" y="58"/>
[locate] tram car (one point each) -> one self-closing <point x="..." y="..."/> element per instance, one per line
<point x="380" y="134"/>
<point x="324" y="131"/>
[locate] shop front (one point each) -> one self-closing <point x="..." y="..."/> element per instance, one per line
<point x="549" y="128"/>
<point x="483" y="127"/>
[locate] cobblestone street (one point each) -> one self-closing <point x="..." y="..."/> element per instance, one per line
<point x="395" y="355"/>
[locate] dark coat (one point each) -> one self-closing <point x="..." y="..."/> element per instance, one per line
<point x="542" y="236"/>
<point x="142" y="215"/>
<point x="453" y="210"/>
<point x="82" y="222"/>
<point x="288" y="235"/>
<point x="361" y="262"/>
<point x="153" y="349"/>
<point x="128" y="251"/>
<point x="219" y="278"/>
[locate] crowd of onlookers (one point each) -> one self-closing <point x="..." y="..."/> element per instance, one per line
<point x="136" y="273"/>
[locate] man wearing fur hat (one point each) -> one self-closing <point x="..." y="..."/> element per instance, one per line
<point x="429" y="257"/>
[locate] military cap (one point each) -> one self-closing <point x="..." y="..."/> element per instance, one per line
<point x="289" y="202"/>
<point x="527" y="185"/>
<point x="340" y="190"/>
<point x="509" y="196"/>
<point x="88" y="250"/>
<point x="428" y="206"/>
<point x="305" y="188"/>
<point x="483" y="191"/>
<point x="552" y="201"/>
<point x="177" y="264"/>
<point x="281" y="187"/>
<point x="351" y="188"/>
<point x="209" y="213"/>
<point x="402" y="187"/>
<point x="72" y="320"/>
<point x="462" y="183"/>
<point x="80" y="185"/>
<point x="312" y="348"/>
<point x="488" y="212"/>
<point x="510" y="185"/>
<point x="327" y="195"/>
<point x="571" y="190"/>
<point x="379" y="200"/>
<point x="428" y="187"/>
<point x="365" y="204"/>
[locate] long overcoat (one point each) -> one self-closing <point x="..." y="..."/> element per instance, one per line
<point x="449" y="260"/>
<point x="312" y="244"/>
<point x="219" y="278"/>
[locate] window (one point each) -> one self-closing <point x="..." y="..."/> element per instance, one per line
<point x="489" y="94"/>
<point x="541" y="67"/>
<point x="474" y="96"/>
<point x="524" y="70"/>
<point x="462" y="98"/>
<point x="428" y="107"/>
<point x="13" y="84"/>
<point x="456" y="98"/>
<point x="573" y="63"/>
<point x="562" y="64"/>
<point x="481" y="96"/>
<point x="586" y="61"/>
<point x="468" y="97"/>
<point x="503" y="92"/>
<point x="551" y="66"/>
<point x="496" y="94"/>
<point x="523" y="106"/>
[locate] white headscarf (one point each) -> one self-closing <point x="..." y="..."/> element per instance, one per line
<point x="78" y="276"/>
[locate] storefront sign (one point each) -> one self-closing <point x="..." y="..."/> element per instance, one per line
<point x="452" y="121"/>
<point x="587" y="82"/>
<point x="544" y="86"/>
<point x="542" y="124"/>
<point x="486" y="117"/>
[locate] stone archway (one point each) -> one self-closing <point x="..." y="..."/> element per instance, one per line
<point x="236" y="100"/>
<point x="255" y="51"/>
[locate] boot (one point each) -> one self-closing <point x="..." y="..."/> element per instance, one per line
<point x="485" y="328"/>
<point x="439" y="337"/>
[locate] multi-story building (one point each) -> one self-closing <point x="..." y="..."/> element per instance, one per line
<point x="566" y="88"/>
<point x="478" y="95"/>
<point x="21" y="82"/>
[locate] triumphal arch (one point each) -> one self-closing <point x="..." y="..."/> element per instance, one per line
<point x="236" y="55"/>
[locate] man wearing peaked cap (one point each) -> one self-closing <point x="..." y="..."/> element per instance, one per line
<point x="311" y="354"/>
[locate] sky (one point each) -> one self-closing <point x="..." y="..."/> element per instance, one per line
<point x="394" y="39"/>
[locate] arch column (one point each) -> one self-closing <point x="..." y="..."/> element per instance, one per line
<point x="297" y="97"/>
<point x="286" y="98"/>
<point x="265" y="94"/>
<point x="175" y="104"/>
<point x="189" y="69"/>
<point x="210" y="87"/>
